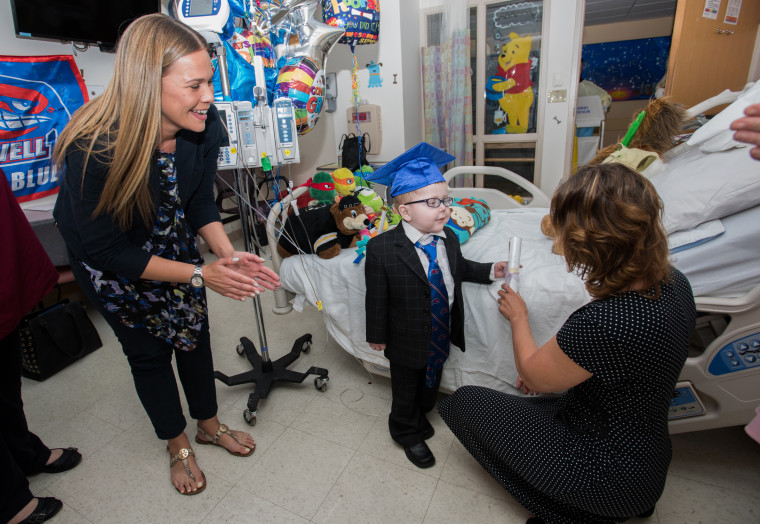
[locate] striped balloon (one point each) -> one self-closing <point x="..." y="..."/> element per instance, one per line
<point x="302" y="81"/>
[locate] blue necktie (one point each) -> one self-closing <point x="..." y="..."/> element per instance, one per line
<point x="439" y="297"/>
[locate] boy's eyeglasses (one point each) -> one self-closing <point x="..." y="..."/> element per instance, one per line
<point x="434" y="202"/>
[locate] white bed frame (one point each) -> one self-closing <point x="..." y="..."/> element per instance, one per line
<point x="707" y="400"/>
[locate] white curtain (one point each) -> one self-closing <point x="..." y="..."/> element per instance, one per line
<point x="447" y="81"/>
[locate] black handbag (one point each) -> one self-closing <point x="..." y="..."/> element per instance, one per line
<point x="354" y="151"/>
<point x="54" y="337"/>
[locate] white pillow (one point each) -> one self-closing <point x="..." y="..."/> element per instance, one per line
<point x="696" y="187"/>
<point x="716" y="134"/>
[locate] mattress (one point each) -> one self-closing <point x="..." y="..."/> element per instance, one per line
<point x="729" y="264"/>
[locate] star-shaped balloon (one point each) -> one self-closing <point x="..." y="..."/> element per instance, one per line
<point x="313" y="39"/>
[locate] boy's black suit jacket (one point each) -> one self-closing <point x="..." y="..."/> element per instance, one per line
<point x="398" y="296"/>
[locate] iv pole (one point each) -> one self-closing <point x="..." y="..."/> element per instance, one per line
<point x="265" y="372"/>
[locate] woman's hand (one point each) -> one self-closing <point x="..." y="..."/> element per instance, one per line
<point x="748" y="129"/>
<point x="522" y="385"/>
<point x="253" y="266"/>
<point x="240" y="276"/>
<point x="377" y="347"/>
<point x="511" y="305"/>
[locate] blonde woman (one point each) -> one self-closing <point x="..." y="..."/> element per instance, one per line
<point x="138" y="166"/>
<point x="598" y="451"/>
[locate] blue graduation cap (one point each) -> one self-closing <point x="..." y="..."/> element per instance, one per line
<point x="416" y="168"/>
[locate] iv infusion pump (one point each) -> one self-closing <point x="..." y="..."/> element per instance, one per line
<point x="258" y="131"/>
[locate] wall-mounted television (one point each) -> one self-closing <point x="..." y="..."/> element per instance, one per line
<point x="89" y="21"/>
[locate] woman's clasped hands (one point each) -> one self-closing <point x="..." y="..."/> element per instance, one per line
<point x="240" y="276"/>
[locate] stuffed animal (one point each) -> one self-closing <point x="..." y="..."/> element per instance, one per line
<point x="516" y="86"/>
<point x="663" y="120"/>
<point x="359" y="179"/>
<point x="344" y="182"/>
<point x="374" y="205"/>
<point x="661" y="123"/>
<point x="321" y="191"/>
<point x="323" y="230"/>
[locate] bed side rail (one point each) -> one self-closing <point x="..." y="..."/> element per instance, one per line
<point x="495" y="198"/>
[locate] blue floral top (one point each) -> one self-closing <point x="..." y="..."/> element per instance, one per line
<point x="174" y="312"/>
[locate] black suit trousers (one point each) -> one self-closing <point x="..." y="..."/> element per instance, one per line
<point x="412" y="399"/>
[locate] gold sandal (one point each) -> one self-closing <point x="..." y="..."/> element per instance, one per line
<point x="182" y="455"/>
<point x="215" y="440"/>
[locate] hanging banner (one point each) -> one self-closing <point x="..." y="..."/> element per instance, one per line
<point x="38" y="95"/>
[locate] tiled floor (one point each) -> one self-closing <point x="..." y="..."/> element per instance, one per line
<point x="320" y="457"/>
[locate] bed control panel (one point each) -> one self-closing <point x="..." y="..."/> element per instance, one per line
<point x="685" y="403"/>
<point x="742" y="353"/>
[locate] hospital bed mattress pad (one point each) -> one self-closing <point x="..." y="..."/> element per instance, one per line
<point x="729" y="264"/>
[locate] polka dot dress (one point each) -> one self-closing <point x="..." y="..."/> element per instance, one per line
<point x="599" y="452"/>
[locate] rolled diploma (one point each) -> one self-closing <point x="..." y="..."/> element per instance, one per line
<point x="512" y="278"/>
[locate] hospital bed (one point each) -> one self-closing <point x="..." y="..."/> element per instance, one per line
<point x="720" y="383"/>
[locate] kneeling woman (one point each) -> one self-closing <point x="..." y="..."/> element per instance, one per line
<point x="600" y="451"/>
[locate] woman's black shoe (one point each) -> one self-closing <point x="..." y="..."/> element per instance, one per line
<point x="46" y="508"/>
<point x="535" y="520"/>
<point x="646" y="514"/>
<point x="68" y="459"/>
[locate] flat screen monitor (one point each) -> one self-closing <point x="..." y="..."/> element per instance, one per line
<point x="89" y="21"/>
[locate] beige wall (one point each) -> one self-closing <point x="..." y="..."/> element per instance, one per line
<point x="620" y="113"/>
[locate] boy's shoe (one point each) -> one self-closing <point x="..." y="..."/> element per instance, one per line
<point x="420" y="455"/>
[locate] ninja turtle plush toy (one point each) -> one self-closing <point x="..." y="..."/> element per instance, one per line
<point x="359" y="177"/>
<point x="344" y="181"/>
<point x="322" y="189"/>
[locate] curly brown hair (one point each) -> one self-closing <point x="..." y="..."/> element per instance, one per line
<point x="607" y="220"/>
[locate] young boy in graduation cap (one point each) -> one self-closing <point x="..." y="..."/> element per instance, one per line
<point x="414" y="306"/>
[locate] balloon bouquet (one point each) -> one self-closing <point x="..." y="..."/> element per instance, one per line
<point x="361" y="21"/>
<point x="293" y="47"/>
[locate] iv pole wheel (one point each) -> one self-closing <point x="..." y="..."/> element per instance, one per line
<point x="240" y="349"/>
<point x="306" y="347"/>
<point x="321" y="383"/>
<point x="249" y="417"/>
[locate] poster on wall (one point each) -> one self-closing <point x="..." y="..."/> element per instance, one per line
<point x="38" y="95"/>
<point x="513" y="41"/>
<point x="628" y="69"/>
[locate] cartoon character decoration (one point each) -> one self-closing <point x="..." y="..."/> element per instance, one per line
<point x="375" y="80"/>
<point x="512" y="85"/>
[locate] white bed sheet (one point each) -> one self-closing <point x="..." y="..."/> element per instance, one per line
<point x="549" y="290"/>
<point x="729" y="264"/>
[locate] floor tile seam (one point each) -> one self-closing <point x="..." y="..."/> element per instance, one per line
<point x="332" y="487"/>
<point x="733" y="486"/>
<point x="210" y="511"/>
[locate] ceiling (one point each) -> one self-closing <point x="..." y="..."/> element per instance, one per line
<point x="610" y="11"/>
